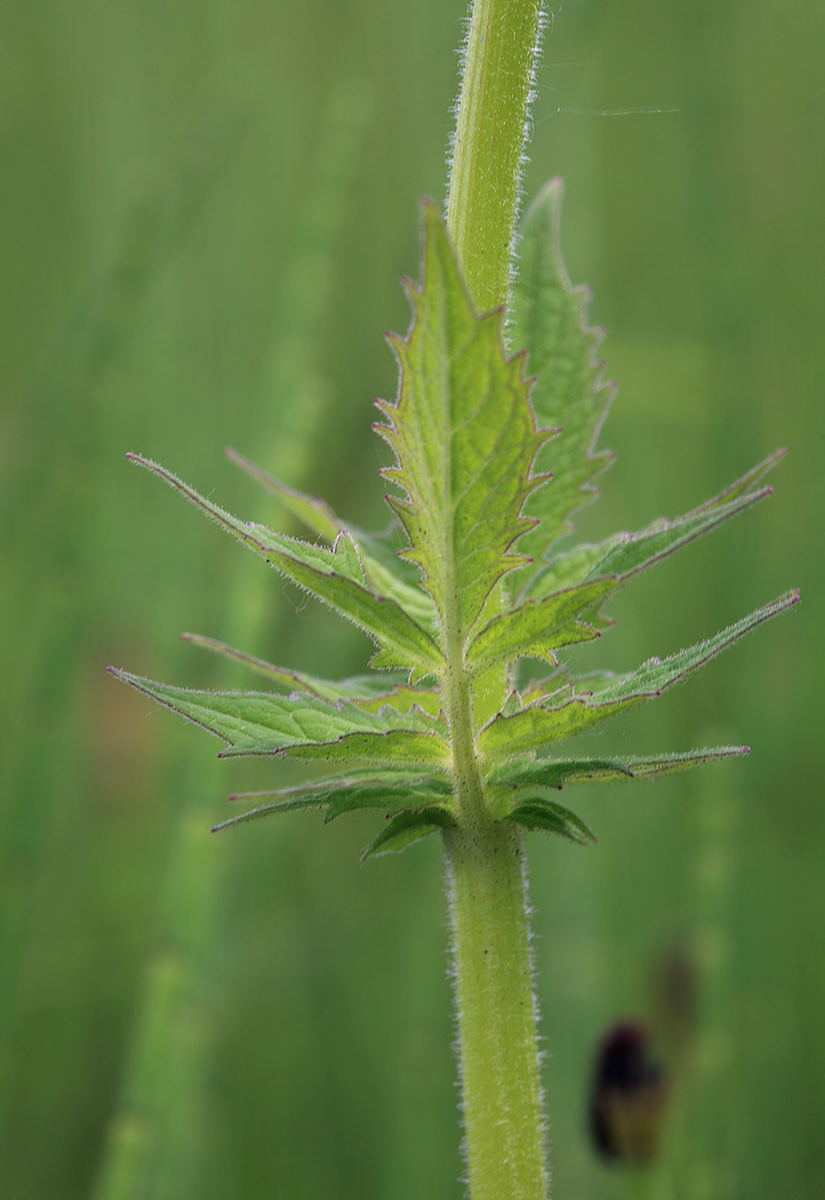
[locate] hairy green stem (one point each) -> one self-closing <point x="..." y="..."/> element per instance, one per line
<point x="493" y="110"/>
<point x="499" y="1066"/>
<point x="497" y="1027"/>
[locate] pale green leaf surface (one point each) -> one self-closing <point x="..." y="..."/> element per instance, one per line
<point x="626" y="554"/>
<point x="413" y="599"/>
<point x="746" y="484"/>
<point x="358" y="688"/>
<point x="637" y="552"/>
<point x="264" y="723"/>
<point x="319" y="517"/>
<point x="405" y="829"/>
<point x="554" y="773"/>
<point x="389" y="792"/>
<point x="464" y="438"/>
<point x="402" y="747"/>
<point x="549" y="319"/>
<point x="536" y="629"/>
<point x="403" y="698"/>
<point x="546" y="722"/>
<point x="334" y="577"/>
<point x="314" y="513"/>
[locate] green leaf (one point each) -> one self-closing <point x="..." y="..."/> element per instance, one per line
<point x="564" y="714"/>
<point x="334" y="576"/>
<point x="549" y="319"/>
<point x="401" y="747"/>
<point x="553" y="773"/>
<point x="626" y="554"/>
<point x="315" y="514"/>
<point x="746" y="484"/>
<point x="404" y="698"/>
<point x="537" y="629"/>
<point x="464" y="437"/>
<point x="319" y="517"/>
<point x="265" y="723"/>
<point x="541" y="813"/>
<point x="359" y="687"/>
<point x="406" y="828"/>
<point x="389" y="791"/>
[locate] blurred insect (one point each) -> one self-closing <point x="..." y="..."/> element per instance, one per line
<point x="629" y="1096"/>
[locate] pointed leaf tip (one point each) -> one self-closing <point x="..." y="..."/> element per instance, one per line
<point x="464" y="437"/>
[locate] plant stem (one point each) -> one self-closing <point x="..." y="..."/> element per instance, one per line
<point x="501" y="1093"/>
<point x="497" y="1028"/>
<point x="492" y="123"/>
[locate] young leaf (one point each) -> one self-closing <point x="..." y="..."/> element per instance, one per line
<point x="334" y="577"/>
<point x="360" y="687"/>
<point x="464" y="438"/>
<point x="553" y="773"/>
<point x="319" y="517"/>
<point x="626" y="554"/>
<point x="549" y="319"/>
<point x="537" y="629"/>
<point x="406" y="828"/>
<point x="315" y="514"/>
<point x="264" y="723"/>
<point x="540" y="812"/>
<point x="565" y="714"/>
<point x="389" y="791"/>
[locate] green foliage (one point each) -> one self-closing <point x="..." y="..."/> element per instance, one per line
<point x="489" y="484"/>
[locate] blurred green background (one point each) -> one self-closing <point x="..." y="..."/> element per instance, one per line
<point x="204" y="212"/>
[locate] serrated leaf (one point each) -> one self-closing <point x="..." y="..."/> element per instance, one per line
<point x="334" y="577"/>
<point x="554" y="773"/>
<point x="358" y="688"/>
<point x="565" y="714"/>
<point x="549" y="319"/>
<point x="537" y="629"/>
<point x="406" y="828"/>
<point x="390" y="792"/>
<point x="541" y="813"/>
<point x="265" y="723"/>
<point x="626" y="554"/>
<point x="464" y="437"/>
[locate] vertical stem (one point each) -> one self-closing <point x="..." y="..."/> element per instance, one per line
<point x="497" y="1028"/>
<point x="501" y="1092"/>
<point x="493" y="109"/>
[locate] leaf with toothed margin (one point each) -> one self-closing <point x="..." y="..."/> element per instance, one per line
<point x="565" y="714"/>
<point x="464" y="438"/>
<point x="263" y="723"/>
<point x="319" y="517"/>
<point x="549" y="320"/>
<point x="334" y="576"/>
<point x="406" y="828"/>
<point x="537" y="629"/>
<point x="390" y="792"/>
<point x="541" y="813"/>
<point x="554" y="773"/>
<point x="627" y="554"/>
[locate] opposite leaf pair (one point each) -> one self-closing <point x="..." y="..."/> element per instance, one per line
<point x="490" y="482"/>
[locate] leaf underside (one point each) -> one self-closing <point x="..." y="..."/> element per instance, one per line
<point x="490" y="466"/>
